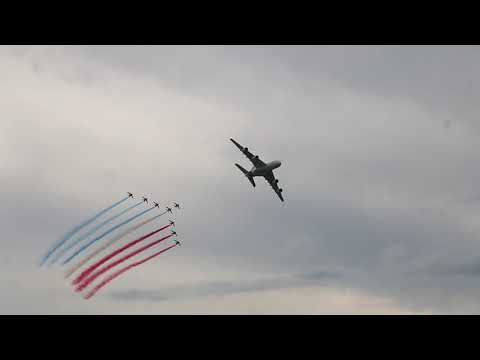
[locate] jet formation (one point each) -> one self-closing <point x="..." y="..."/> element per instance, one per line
<point x="86" y="275"/>
<point x="155" y="204"/>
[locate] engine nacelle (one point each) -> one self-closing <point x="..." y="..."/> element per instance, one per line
<point x="256" y="156"/>
<point x="245" y="149"/>
<point x="276" y="181"/>
<point x="281" y="190"/>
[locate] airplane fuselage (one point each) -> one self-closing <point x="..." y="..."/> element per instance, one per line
<point x="262" y="171"/>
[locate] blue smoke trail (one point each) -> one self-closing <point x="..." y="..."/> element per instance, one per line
<point x="93" y="230"/>
<point x="76" y="229"/>
<point x="104" y="234"/>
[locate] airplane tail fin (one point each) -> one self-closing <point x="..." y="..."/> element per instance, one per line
<point x="245" y="172"/>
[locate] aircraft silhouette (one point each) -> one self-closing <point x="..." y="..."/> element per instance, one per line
<point x="260" y="169"/>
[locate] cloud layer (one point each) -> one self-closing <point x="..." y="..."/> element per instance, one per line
<point x="379" y="191"/>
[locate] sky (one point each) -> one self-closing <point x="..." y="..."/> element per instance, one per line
<point x="378" y="147"/>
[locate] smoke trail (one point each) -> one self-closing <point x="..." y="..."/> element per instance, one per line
<point x="103" y="260"/>
<point x="121" y="271"/>
<point x="104" y="234"/>
<point x="93" y="230"/>
<point x="76" y="229"/>
<point x="110" y="242"/>
<point x="96" y="274"/>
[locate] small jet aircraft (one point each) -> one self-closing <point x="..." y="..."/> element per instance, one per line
<point x="145" y="199"/>
<point x="168" y="209"/>
<point x="171" y="222"/>
<point x="260" y="169"/>
<point x="173" y="232"/>
<point x="176" y="205"/>
<point x="156" y="205"/>
<point x="130" y="194"/>
<point x="177" y="242"/>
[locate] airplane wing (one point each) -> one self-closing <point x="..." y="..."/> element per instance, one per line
<point x="273" y="183"/>
<point x="253" y="158"/>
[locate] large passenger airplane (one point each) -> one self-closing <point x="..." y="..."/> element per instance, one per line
<point x="260" y="169"/>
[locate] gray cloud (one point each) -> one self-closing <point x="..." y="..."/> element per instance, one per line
<point x="465" y="266"/>
<point x="375" y="185"/>
<point x="221" y="288"/>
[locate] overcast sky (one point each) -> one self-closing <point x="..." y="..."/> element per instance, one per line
<point x="378" y="144"/>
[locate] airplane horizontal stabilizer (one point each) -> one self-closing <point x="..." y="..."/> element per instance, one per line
<point x="246" y="174"/>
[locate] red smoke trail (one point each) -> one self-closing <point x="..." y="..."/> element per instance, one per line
<point x="89" y="270"/>
<point x="109" y="243"/>
<point x="96" y="274"/>
<point x="122" y="270"/>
